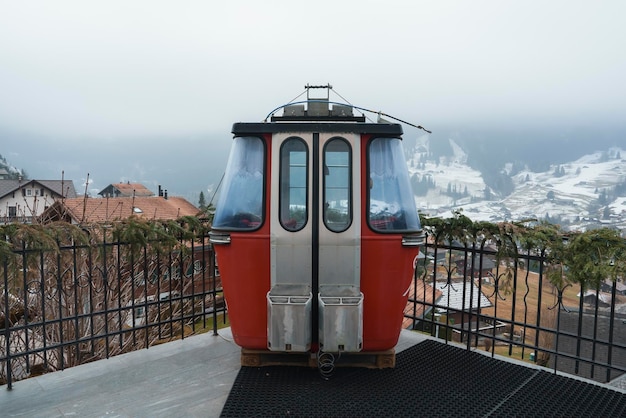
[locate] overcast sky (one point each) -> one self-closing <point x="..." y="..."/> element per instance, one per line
<point x="109" y="69"/>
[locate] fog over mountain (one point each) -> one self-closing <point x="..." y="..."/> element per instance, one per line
<point x="147" y="91"/>
<point x="579" y="183"/>
<point x="184" y="165"/>
<point x="473" y="157"/>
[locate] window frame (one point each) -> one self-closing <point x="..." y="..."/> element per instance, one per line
<point x="350" y="186"/>
<point x="222" y="200"/>
<point x="368" y="201"/>
<point x="285" y="165"/>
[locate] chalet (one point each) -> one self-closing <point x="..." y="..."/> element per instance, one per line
<point x="24" y="200"/>
<point x="607" y="286"/>
<point x="174" y="278"/>
<point x="459" y="296"/>
<point x="482" y="267"/>
<point x="591" y="297"/>
<point x="126" y="190"/>
<point x="95" y="210"/>
<point x="461" y="304"/>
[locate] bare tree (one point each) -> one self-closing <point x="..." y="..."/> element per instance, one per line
<point x="78" y="294"/>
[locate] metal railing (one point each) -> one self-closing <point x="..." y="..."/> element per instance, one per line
<point x="72" y="303"/>
<point x="468" y="294"/>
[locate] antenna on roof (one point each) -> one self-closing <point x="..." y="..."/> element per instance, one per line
<point x="132" y="206"/>
<point x="216" y="189"/>
<point x="85" y="200"/>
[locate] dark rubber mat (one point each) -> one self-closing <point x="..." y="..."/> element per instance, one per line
<point x="430" y="379"/>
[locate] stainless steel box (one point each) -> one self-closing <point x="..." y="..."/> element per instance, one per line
<point x="289" y="318"/>
<point x="341" y="323"/>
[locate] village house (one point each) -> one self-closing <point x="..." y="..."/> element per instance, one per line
<point x="460" y="306"/>
<point x="481" y="267"/>
<point x="182" y="279"/>
<point x="86" y="210"/>
<point x="126" y="190"/>
<point x="25" y="200"/>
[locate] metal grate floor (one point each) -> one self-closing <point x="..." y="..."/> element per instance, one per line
<point x="430" y="379"/>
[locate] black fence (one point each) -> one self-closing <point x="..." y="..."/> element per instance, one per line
<point x="507" y="305"/>
<point x="79" y="296"/>
<point x="92" y="294"/>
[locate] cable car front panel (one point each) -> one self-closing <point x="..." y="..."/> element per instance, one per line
<point x="327" y="258"/>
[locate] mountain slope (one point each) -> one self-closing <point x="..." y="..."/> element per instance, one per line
<point x="578" y="194"/>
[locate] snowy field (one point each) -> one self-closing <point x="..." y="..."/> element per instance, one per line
<point x="573" y="197"/>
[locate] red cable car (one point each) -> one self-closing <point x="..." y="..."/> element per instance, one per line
<point x="316" y="231"/>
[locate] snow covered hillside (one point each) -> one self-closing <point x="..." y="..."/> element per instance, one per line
<point x="586" y="193"/>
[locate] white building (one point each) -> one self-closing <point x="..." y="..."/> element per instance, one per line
<point x="23" y="200"/>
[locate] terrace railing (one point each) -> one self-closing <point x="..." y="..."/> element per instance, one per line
<point x="80" y="295"/>
<point x="508" y="304"/>
<point x="76" y="295"/>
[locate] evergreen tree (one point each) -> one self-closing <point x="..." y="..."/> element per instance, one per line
<point x="559" y="171"/>
<point x="602" y="198"/>
<point x="202" y="201"/>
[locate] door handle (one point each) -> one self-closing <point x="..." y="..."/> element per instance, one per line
<point x="413" y="240"/>
<point x="220" y="238"/>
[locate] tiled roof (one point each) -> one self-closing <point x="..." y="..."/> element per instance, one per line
<point x="60" y="187"/>
<point x="127" y="189"/>
<point x="423" y="293"/>
<point x="88" y="210"/>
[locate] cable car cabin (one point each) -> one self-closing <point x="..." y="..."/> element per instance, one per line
<point x="316" y="232"/>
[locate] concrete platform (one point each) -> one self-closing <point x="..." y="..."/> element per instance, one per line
<point x="188" y="378"/>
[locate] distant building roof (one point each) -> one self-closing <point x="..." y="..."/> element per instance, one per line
<point x="60" y="188"/>
<point x="590" y="296"/>
<point x="126" y="190"/>
<point x="94" y="210"/>
<point x="454" y="298"/>
<point x="423" y="294"/>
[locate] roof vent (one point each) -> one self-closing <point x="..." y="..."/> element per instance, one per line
<point x="294" y="110"/>
<point x="319" y="107"/>
<point x="342" y="110"/>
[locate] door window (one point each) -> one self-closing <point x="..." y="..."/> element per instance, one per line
<point x="337" y="183"/>
<point x="293" y="178"/>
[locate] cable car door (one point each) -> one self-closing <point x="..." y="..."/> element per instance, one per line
<point x="315" y="243"/>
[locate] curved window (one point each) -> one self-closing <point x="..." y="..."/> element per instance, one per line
<point x="390" y="198"/>
<point x="293" y="178"/>
<point x="240" y="205"/>
<point x="337" y="185"/>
